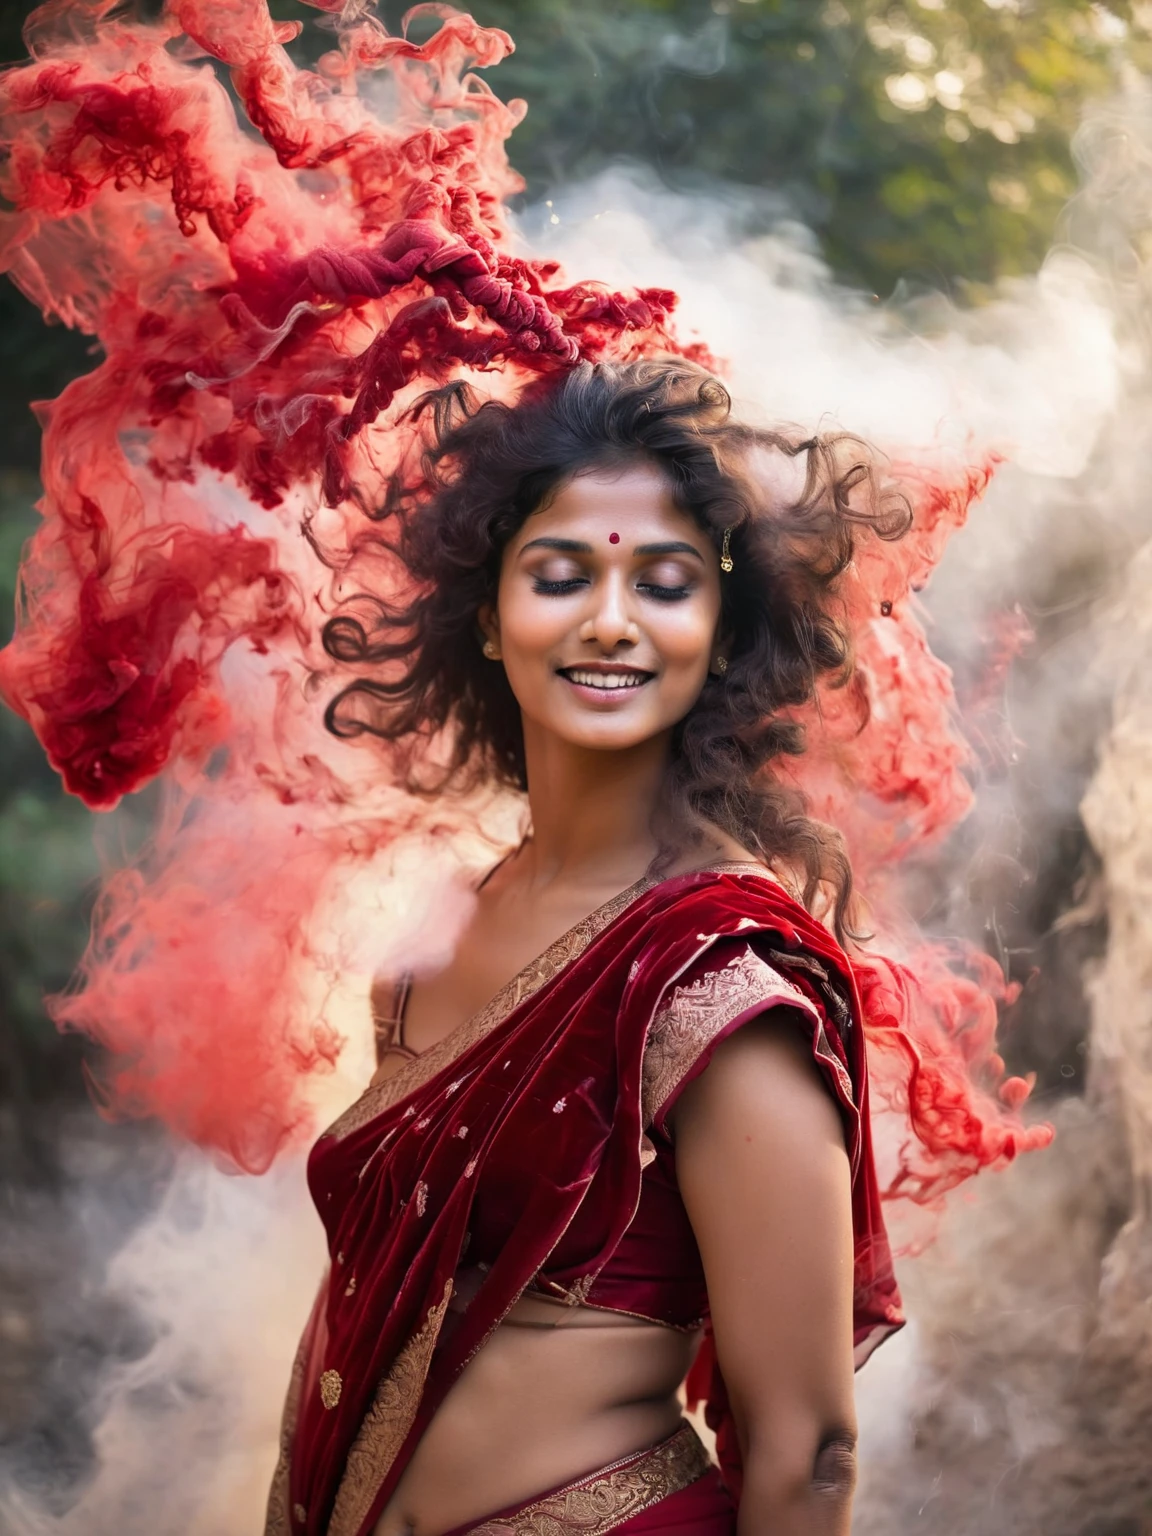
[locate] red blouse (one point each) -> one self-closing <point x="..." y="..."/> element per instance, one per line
<point x="656" y="1272"/>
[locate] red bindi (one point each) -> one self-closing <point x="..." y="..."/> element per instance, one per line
<point x="613" y="538"/>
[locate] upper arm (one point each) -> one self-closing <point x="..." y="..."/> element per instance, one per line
<point x="765" y="1178"/>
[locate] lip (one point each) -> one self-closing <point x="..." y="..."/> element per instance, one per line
<point x="621" y="682"/>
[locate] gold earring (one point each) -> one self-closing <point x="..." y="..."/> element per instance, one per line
<point x="725" y="552"/>
<point x="721" y="665"/>
<point x="491" y="650"/>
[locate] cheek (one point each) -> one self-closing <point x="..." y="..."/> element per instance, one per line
<point x="527" y="624"/>
<point x="685" y="639"/>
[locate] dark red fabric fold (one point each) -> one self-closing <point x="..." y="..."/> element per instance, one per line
<point x="542" y="1114"/>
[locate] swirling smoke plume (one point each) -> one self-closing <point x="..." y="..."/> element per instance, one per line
<point x="270" y="288"/>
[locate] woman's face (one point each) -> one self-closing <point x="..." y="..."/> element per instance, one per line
<point x="608" y="610"/>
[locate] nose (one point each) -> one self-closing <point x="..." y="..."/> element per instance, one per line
<point x="610" y="623"/>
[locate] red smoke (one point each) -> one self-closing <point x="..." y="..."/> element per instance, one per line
<point x="889" y="765"/>
<point x="266" y="306"/>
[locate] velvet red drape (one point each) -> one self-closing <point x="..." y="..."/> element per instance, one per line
<point x="538" y="1103"/>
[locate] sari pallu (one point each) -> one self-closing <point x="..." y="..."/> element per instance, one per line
<point x="538" y="1102"/>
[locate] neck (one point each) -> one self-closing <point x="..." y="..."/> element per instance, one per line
<point x="592" y="811"/>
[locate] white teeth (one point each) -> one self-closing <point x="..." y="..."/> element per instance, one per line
<point x="605" y="679"/>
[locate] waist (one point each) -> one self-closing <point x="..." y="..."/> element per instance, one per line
<point x="617" y="1496"/>
<point x="534" y="1407"/>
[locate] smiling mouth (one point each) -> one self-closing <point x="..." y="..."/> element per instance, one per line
<point x="619" y="680"/>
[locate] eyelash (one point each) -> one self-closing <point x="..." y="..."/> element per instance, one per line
<point x="557" y="588"/>
<point x="664" y="594"/>
<point x="560" y="588"/>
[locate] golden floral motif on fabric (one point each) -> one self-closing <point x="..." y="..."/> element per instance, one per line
<point x="276" y="1520"/>
<point x="600" y="1503"/>
<point x="386" y="1425"/>
<point x="331" y="1387"/>
<point x="698" y="1012"/>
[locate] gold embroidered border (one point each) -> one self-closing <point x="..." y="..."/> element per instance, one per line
<point x="386" y="1425"/>
<point x="598" y="1504"/>
<point x="696" y="1013"/>
<point x="423" y="1068"/>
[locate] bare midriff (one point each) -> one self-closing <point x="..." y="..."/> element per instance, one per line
<point x="556" y="1392"/>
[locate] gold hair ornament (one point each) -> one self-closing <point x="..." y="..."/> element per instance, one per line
<point x="725" y="552"/>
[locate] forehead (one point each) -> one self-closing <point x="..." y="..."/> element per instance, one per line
<point x="633" y="500"/>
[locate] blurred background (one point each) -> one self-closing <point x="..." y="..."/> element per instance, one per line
<point x="926" y="151"/>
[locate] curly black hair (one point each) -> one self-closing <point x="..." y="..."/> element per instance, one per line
<point x="486" y="467"/>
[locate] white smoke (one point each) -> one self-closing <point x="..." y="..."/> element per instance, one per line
<point x="220" y="1275"/>
<point x="1035" y="373"/>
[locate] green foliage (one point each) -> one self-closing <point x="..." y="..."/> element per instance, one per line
<point x="925" y="141"/>
<point x="36" y="360"/>
<point x="47" y="861"/>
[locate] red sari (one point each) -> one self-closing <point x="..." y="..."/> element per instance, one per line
<point x="530" y="1122"/>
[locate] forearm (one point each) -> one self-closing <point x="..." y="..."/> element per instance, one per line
<point x="797" y="1499"/>
<point x="763" y="1168"/>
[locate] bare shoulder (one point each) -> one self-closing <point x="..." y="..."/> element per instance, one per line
<point x="729" y="851"/>
<point x="719" y="847"/>
<point x="716" y="848"/>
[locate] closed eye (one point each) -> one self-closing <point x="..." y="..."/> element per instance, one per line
<point x="558" y="588"/>
<point x="663" y="594"/>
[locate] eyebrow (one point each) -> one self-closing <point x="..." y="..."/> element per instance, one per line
<point x="578" y="547"/>
<point x="565" y="546"/>
<point x="672" y="547"/>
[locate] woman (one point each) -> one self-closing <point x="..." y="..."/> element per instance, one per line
<point x="631" y="1114"/>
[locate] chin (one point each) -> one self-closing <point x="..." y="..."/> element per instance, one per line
<point x="604" y="736"/>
